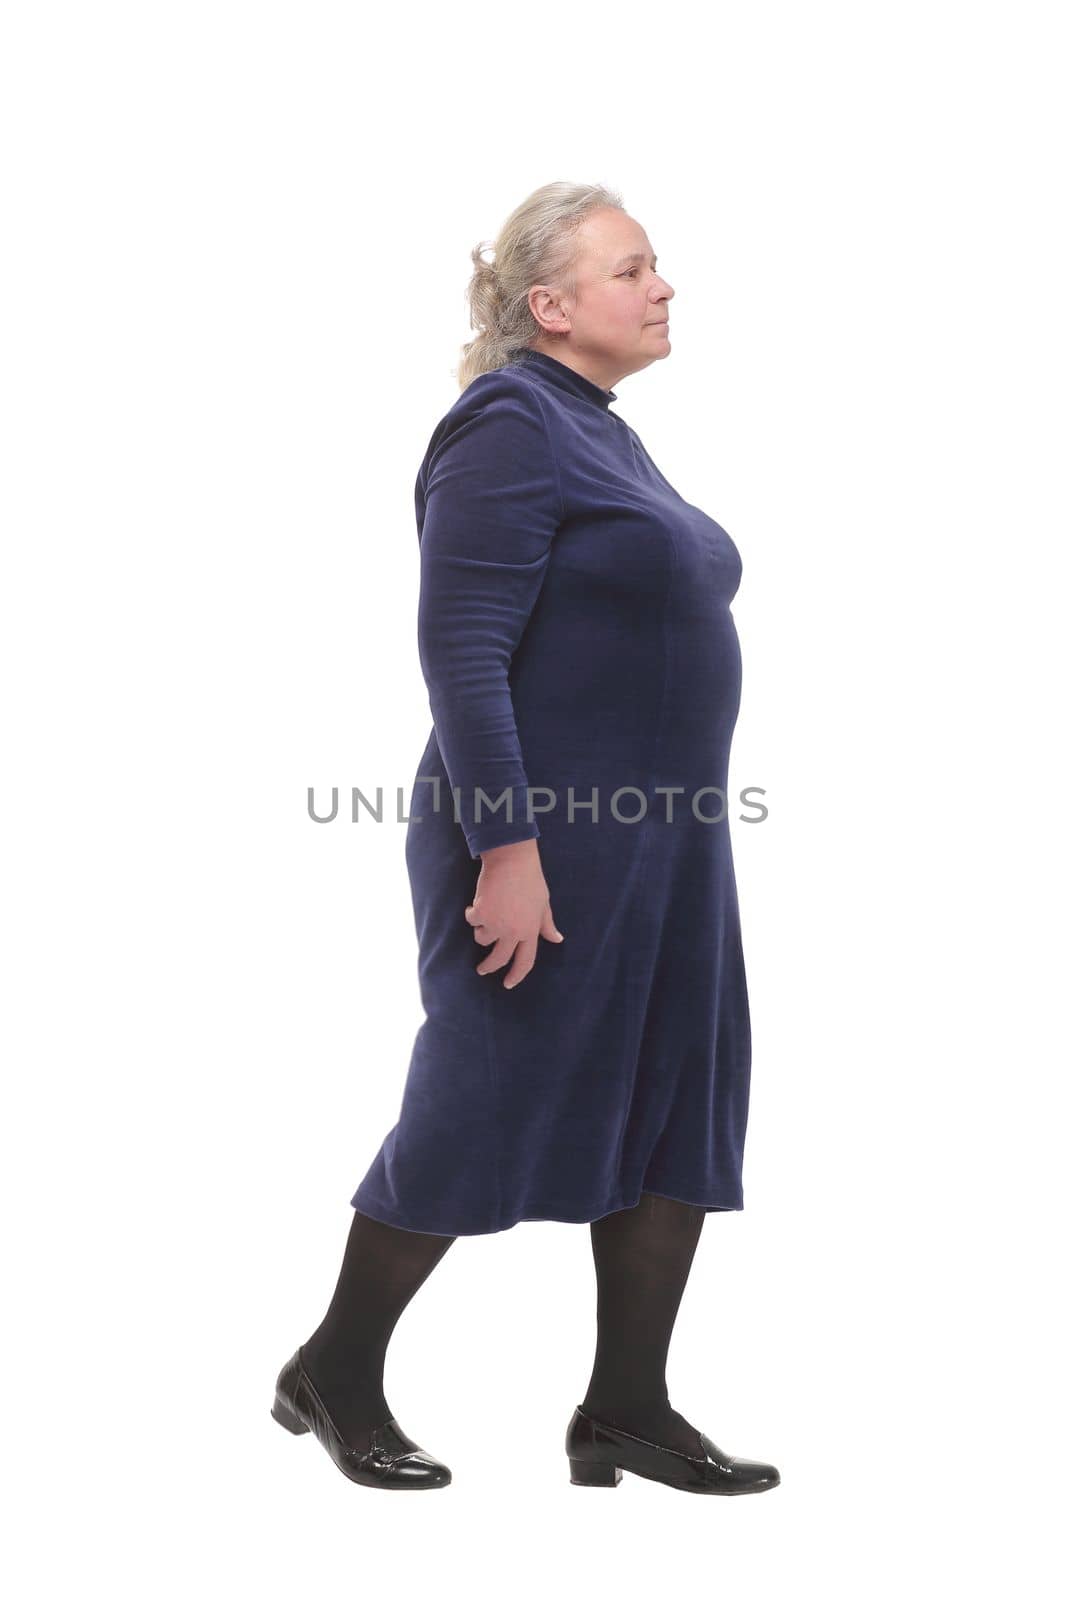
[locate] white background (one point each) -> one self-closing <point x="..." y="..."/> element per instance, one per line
<point x="237" y="242"/>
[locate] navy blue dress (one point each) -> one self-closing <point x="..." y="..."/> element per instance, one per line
<point x="576" y="638"/>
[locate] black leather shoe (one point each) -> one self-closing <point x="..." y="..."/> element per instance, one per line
<point x="393" y="1461"/>
<point x="598" y="1451"/>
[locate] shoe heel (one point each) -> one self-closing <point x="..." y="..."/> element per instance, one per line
<point x="598" y="1474"/>
<point x="287" y="1418"/>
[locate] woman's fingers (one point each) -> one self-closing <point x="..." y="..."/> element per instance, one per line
<point x="524" y="952"/>
<point x="505" y="949"/>
<point x="523" y="963"/>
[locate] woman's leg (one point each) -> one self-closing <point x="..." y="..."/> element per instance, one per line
<point x="345" y="1356"/>
<point x="642" y="1257"/>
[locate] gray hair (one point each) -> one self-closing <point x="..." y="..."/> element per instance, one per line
<point x="535" y="245"/>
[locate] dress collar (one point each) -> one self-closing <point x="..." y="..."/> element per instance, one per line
<point x="564" y="377"/>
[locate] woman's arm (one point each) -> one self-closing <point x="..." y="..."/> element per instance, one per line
<point x="492" y="507"/>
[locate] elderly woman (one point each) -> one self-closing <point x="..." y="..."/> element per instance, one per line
<point x="585" y="1054"/>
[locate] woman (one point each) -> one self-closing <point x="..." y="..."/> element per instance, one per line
<point x="584" y="678"/>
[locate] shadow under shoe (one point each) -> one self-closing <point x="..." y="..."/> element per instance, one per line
<point x="392" y="1461"/>
<point x="599" y="1453"/>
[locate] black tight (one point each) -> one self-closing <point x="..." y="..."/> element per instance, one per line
<point x="642" y="1257"/>
<point x="345" y="1356"/>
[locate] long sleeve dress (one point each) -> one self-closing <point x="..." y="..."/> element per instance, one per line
<point x="575" y="634"/>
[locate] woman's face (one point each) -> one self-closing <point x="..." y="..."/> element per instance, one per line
<point x="617" y="323"/>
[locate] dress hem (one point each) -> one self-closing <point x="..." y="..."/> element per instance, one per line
<point x="380" y="1213"/>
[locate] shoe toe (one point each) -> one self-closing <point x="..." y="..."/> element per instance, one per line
<point x="421" y="1471"/>
<point x="756" y="1474"/>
